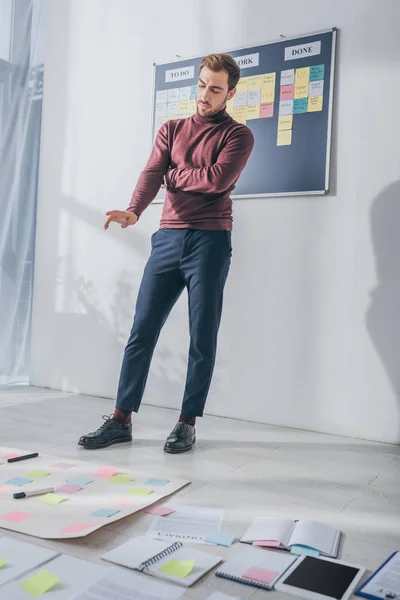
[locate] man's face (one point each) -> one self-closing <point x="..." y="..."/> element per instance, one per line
<point x="212" y="92"/>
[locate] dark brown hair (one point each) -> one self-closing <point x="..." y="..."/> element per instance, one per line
<point x="223" y="62"/>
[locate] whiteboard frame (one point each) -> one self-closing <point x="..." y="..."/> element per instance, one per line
<point x="282" y="39"/>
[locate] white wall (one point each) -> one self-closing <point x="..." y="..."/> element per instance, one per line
<point x="310" y="336"/>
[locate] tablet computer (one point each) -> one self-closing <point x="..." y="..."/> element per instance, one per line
<point x="321" y="579"/>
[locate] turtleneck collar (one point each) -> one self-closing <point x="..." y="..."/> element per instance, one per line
<point x="220" y="116"/>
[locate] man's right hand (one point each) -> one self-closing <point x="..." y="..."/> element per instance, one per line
<point x="123" y="217"/>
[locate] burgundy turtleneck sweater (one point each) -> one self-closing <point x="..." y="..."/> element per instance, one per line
<point x="201" y="159"/>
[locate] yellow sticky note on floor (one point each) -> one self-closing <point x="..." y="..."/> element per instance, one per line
<point x="178" y="568"/>
<point x="52" y="499"/>
<point x="38" y="584"/>
<point x="120" y="479"/>
<point x="2" y="562"/>
<point x="37" y="474"/>
<point x="140" y="492"/>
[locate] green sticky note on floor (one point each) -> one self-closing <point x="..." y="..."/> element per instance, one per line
<point x="37" y="474"/>
<point x="2" y="562"/>
<point x="52" y="499"/>
<point x="178" y="568"/>
<point x="38" y="584"/>
<point x="120" y="479"/>
<point x="140" y="492"/>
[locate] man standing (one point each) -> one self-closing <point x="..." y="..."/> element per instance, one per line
<point x="201" y="158"/>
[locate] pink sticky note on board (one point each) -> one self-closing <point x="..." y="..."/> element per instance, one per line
<point x="262" y="575"/>
<point x="287" y="92"/>
<point x="104" y="471"/>
<point x="160" y="511"/>
<point x="76" y="528"/>
<point x="267" y="543"/>
<point x="266" y="110"/>
<point x="15" y="516"/>
<point x="10" y="455"/>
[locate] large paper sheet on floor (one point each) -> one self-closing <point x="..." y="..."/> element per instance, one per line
<point x="87" y="495"/>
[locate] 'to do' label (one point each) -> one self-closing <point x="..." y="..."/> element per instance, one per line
<point x="179" y="74"/>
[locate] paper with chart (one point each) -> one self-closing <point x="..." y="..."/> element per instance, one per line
<point x="119" y="584"/>
<point x="187" y="524"/>
<point x="18" y="557"/>
<point x="386" y="580"/>
<point x="86" y="495"/>
<point x="60" y="578"/>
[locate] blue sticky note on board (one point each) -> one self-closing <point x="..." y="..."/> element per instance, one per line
<point x="156" y="482"/>
<point x="317" y="72"/>
<point x="193" y="91"/>
<point x="104" y="512"/>
<point x="300" y="106"/>
<point x="81" y="481"/>
<point x="18" y="481"/>
<point x="304" y="550"/>
<point x="221" y="538"/>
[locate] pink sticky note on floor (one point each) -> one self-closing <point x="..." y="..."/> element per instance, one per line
<point x="15" y="516"/>
<point x="267" y="543"/>
<point x="124" y="501"/>
<point x="62" y="465"/>
<point x="262" y="575"/>
<point x="160" y="511"/>
<point x="10" y="455"/>
<point x="104" y="471"/>
<point x="266" y="110"/>
<point x="69" y="488"/>
<point x="76" y="528"/>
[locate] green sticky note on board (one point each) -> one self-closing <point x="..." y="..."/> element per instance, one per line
<point x="120" y="479"/>
<point x="52" y="499"/>
<point x="2" y="562"/>
<point x="37" y="474"/>
<point x="140" y="492"/>
<point x="38" y="584"/>
<point x="178" y="568"/>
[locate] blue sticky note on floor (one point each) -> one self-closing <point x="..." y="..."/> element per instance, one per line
<point x="18" y="481"/>
<point x="104" y="512"/>
<point x="156" y="482"/>
<point x="221" y="538"/>
<point x="81" y="481"/>
<point x="304" y="551"/>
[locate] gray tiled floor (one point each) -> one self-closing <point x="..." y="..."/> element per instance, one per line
<point x="246" y="468"/>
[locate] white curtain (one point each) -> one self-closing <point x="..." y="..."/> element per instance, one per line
<point x="21" y="86"/>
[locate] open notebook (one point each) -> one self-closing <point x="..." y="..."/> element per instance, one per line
<point x="173" y="562"/>
<point x="285" y="533"/>
<point x="256" y="567"/>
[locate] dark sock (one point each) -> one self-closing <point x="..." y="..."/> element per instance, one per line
<point x="190" y="420"/>
<point x="122" y="416"/>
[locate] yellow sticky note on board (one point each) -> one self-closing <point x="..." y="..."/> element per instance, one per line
<point x="268" y="94"/>
<point x="38" y="584"/>
<point x="300" y="91"/>
<point x="285" y="122"/>
<point x="253" y="111"/>
<point x="52" y="499"/>
<point x="302" y="76"/>
<point x="2" y="562"/>
<point x="240" y="114"/>
<point x="184" y="107"/>
<point x="243" y="84"/>
<point x="193" y="107"/>
<point x="315" y="103"/>
<point x="178" y="568"/>
<point x="255" y="82"/>
<point x="284" y="138"/>
<point x="230" y="107"/>
<point x="268" y="79"/>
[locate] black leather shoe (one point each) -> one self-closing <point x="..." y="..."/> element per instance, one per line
<point x="111" y="432"/>
<point x="181" y="438"/>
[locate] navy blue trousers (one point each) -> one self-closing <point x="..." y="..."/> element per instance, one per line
<point x="198" y="260"/>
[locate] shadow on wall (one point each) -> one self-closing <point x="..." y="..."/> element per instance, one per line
<point x="383" y="315"/>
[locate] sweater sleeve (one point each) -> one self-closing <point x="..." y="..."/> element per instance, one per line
<point x="223" y="173"/>
<point x="152" y="176"/>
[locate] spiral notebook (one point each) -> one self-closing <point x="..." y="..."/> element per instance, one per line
<point x="180" y="565"/>
<point x="257" y="567"/>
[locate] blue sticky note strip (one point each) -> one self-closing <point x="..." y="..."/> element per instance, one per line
<point x="221" y="538"/>
<point x="104" y="512"/>
<point x="304" y="551"/>
<point x="18" y="481"/>
<point x="156" y="482"/>
<point x="81" y="481"/>
<point x="300" y="106"/>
